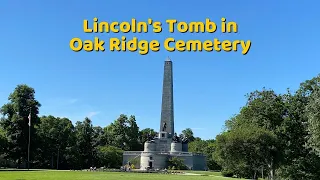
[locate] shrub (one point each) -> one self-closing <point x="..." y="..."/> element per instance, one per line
<point x="226" y="173"/>
<point x="177" y="163"/>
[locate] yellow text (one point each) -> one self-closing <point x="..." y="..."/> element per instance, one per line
<point x="170" y="44"/>
<point x="76" y="44"/>
<point x="192" y="27"/>
<point x="134" y="26"/>
<point x="133" y="45"/>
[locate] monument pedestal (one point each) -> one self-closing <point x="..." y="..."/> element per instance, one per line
<point x="163" y="135"/>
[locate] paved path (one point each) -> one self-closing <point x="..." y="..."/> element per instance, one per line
<point x="191" y="174"/>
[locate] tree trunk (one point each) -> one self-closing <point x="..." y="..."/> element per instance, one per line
<point x="271" y="170"/>
<point x="52" y="161"/>
<point x="271" y="174"/>
<point x="255" y="174"/>
<point x="58" y="160"/>
<point x="19" y="163"/>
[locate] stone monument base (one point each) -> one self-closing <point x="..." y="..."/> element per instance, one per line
<point x="159" y="160"/>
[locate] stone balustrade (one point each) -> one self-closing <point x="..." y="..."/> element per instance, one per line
<point x="159" y="152"/>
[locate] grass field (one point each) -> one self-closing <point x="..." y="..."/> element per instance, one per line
<point x="84" y="175"/>
<point x="206" y="173"/>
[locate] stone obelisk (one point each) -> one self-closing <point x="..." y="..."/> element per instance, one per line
<point x="167" y="116"/>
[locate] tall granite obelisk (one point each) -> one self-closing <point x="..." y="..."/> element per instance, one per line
<point x="167" y="116"/>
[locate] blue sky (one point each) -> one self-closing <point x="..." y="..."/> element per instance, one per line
<point x="209" y="87"/>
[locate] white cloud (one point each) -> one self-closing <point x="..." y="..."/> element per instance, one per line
<point x="91" y="114"/>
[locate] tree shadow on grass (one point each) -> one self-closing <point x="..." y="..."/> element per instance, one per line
<point x="4" y="170"/>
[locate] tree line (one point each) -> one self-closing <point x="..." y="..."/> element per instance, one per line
<point x="57" y="143"/>
<point x="273" y="135"/>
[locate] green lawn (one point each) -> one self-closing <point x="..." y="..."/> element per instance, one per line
<point x="206" y="173"/>
<point x="84" y="175"/>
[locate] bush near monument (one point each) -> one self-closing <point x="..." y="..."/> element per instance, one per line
<point x="177" y="164"/>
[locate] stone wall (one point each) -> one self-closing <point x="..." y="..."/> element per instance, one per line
<point x="185" y="147"/>
<point x="199" y="162"/>
<point x="163" y="145"/>
<point x="150" y="146"/>
<point x="194" y="161"/>
<point x="158" y="160"/>
<point x="176" y="147"/>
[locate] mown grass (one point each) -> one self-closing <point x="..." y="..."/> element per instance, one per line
<point x="213" y="173"/>
<point x="84" y="175"/>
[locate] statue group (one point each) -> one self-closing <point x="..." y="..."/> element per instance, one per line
<point x="149" y="137"/>
<point x="183" y="139"/>
<point x="176" y="138"/>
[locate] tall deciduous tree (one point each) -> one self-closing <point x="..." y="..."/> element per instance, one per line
<point x="117" y="133"/>
<point x="188" y="133"/>
<point x="144" y="133"/>
<point x="300" y="161"/>
<point x="123" y="133"/>
<point x="247" y="150"/>
<point x="207" y="147"/>
<point x="21" y="103"/>
<point x="56" y="134"/>
<point x="109" y="156"/>
<point x="133" y="134"/>
<point x="311" y="90"/>
<point x="84" y="143"/>
<point x="3" y="143"/>
<point x="265" y="110"/>
<point x="313" y="114"/>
